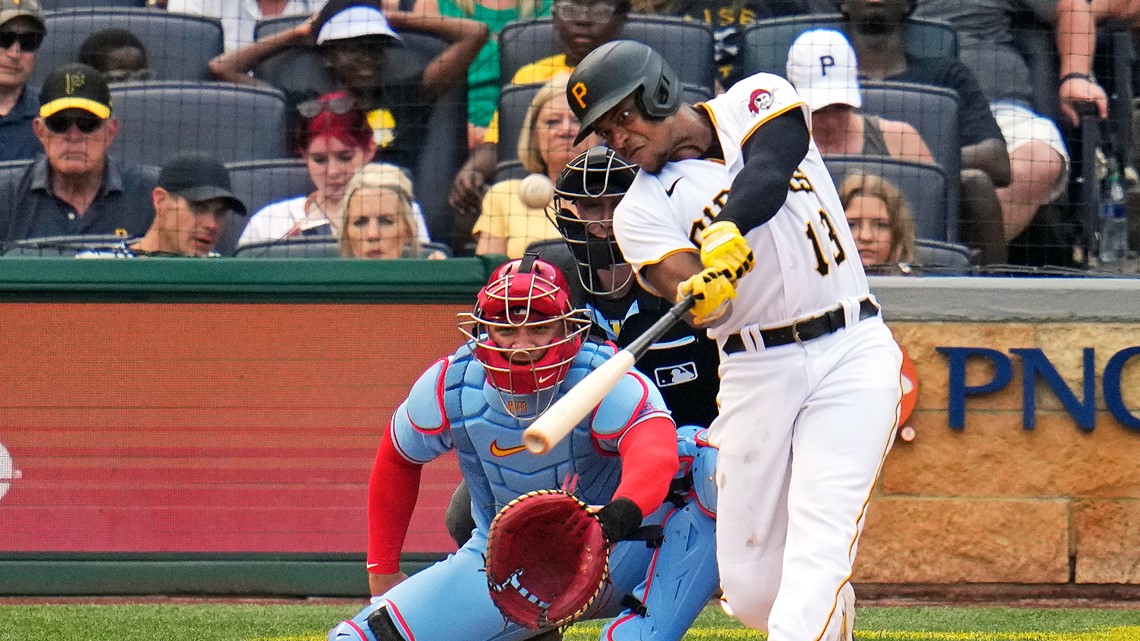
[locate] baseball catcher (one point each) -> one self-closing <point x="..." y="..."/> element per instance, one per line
<point x="525" y="348"/>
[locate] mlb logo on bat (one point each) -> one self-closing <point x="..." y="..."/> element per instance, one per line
<point x="675" y="374"/>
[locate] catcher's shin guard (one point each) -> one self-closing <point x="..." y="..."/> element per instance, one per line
<point x="371" y="624"/>
<point x="684" y="577"/>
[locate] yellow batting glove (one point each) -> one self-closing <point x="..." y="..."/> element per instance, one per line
<point x="724" y="249"/>
<point x="712" y="290"/>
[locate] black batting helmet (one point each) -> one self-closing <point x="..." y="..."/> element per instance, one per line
<point x="618" y="69"/>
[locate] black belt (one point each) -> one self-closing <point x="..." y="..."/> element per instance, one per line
<point x="805" y="329"/>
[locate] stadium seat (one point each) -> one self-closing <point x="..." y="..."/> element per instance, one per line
<point x="56" y="246"/>
<point x="10" y="169"/>
<point x="686" y="46"/>
<point x="178" y="46"/>
<point x="159" y="120"/>
<point x="925" y="188"/>
<point x="259" y="183"/>
<point x="933" y="111"/>
<point x="766" y="42"/>
<point x="297" y="69"/>
<point x="514" y="100"/>
<point x="309" y="247"/>
<point x="68" y="5"/>
<point x="303" y="247"/>
<point x="936" y="253"/>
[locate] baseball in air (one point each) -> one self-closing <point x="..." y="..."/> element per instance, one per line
<point x="907" y="433"/>
<point x="536" y="191"/>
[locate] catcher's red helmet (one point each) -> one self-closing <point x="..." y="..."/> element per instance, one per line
<point x="525" y="292"/>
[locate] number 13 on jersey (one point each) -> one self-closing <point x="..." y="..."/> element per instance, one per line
<point x="824" y="254"/>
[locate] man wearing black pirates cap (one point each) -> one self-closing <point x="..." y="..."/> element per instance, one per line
<point x="75" y="188"/>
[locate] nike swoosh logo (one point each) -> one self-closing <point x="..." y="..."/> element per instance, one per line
<point x="542" y="379"/>
<point x="669" y="191"/>
<point x="499" y="451"/>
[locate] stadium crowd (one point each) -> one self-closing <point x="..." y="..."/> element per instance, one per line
<point x="945" y="101"/>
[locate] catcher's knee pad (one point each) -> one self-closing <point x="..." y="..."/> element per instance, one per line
<point x="704" y="479"/>
<point x="371" y="624"/>
<point x="698" y="463"/>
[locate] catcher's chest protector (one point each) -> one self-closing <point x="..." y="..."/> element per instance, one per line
<point x="488" y="439"/>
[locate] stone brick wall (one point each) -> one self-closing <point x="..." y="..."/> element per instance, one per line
<point x="995" y="503"/>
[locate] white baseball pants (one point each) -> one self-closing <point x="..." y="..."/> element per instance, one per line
<point x="803" y="431"/>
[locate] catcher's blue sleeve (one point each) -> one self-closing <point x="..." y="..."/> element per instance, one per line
<point x="420" y="429"/>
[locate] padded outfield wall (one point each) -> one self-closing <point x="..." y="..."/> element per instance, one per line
<point x="184" y="426"/>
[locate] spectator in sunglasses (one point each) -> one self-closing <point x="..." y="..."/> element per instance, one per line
<point x="118" y="54"/>
<point x="21" y="33"/>
<point x="75" y="188"/>
<point x="353" y="39"/>
<point x="335" y="141"/>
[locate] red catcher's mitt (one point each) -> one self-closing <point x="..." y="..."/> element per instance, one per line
<point x="546" y="559"/>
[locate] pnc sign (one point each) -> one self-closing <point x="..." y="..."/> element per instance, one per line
<point x="1080" y="404"/>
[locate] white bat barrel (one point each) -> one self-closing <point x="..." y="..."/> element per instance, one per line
<point x="561" y="418"/>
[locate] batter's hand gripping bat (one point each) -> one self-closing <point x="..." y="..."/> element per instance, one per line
<point x="561" y="418"/>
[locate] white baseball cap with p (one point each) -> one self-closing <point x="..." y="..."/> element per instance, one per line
<point x="823" y="69"/>
<point x="356" y="22"/>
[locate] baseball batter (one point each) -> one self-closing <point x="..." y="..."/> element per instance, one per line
<point x="525" y="348"/>
<point x="809" y="373"/>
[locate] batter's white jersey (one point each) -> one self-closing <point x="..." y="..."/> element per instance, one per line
<point x="806" y="260"/>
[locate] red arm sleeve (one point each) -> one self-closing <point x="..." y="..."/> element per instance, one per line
<point x="648" y="462"/>
<point x="393" y="490"/>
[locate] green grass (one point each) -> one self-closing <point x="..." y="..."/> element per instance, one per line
<point x="306" y="622"/>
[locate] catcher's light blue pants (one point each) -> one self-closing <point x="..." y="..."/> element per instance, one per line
<point x="450" y="600"/>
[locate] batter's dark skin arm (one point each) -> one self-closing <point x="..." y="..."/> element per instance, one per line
<point x="663" y="277"/>
<point x="771" y="155"/>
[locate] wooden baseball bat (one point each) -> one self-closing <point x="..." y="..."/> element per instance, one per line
<point x="561" y="417"/>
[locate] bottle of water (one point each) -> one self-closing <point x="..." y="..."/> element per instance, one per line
<point x="1113" y="217"/>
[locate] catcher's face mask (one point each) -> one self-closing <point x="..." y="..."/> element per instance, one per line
<point x="585" y="196"/>
<point x="525" y="330"/>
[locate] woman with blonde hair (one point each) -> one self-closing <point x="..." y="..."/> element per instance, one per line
<point x="546" y="143"/>
<point x="379" y="220"/>
<point x="880" y="219"/>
